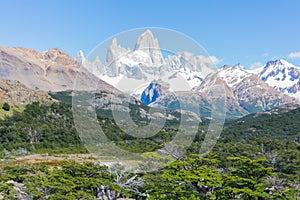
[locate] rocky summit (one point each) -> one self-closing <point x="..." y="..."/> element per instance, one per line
<point x="282" y="75"/>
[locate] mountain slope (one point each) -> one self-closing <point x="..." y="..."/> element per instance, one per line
<point x="282" y="75"/>
<point x="252" y="94"/>
<point x="244" y="93"/>
<point x="51" y="70"/>
<point x="17" y="93"/>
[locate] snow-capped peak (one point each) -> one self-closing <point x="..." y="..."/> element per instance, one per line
<point x="279" y="64"/>
<point x="283" y="76"/>
<point x="147" y="43"/>
<point x="239" y="66"/>
<point x="233" y="75"/>
<point x="274" y="68"/>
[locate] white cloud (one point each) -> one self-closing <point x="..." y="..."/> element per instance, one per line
<point x="200" y="60"/>
<point x="256" y="65"/>
<point x="295" y="55"/>
<point x="209" y="60"/>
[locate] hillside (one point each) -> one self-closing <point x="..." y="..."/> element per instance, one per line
<point x="51" y="70"/>
<point x="253" y="153"/>
<point x="17" y="93"/>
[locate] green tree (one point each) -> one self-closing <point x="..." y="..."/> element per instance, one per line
<point x="192" y="178"/>
<point x="245" y="179"/>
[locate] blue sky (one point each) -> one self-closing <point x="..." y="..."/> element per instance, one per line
<point x="243" y="32"/>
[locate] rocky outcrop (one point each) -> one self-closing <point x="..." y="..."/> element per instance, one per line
<point x="114" y="52"/>
<point x="154" y="90"/>
<point x="15" y="92"/>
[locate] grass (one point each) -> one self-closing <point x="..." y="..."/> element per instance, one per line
<point x="56" y="160"/>
<point x="13" y="108"/>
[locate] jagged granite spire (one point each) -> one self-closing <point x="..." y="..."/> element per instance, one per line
<point x="147" y="43"/>
<point x="113" y="53"/>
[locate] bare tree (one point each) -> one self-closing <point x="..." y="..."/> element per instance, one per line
<point x="125" y="179"/>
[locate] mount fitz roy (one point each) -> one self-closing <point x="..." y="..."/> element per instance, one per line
<point x="160" y="78"/>
<point x="125" y="68"/>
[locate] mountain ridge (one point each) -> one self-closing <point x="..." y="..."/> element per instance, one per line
<point x="51" y="70"/>
<point x="282" y="75"/>
<point x="184" y="74"/>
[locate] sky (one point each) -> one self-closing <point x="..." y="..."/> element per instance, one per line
<point x="246" y="32"/>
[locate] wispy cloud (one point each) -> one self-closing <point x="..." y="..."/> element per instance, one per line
<point x="265" y="55"/>
<point x="208" y="61"/>
<point x="295" y="55"/>
<point x="256" y="65"/>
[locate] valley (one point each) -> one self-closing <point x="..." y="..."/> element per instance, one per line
<point x="39" y="144"/>
<point x="49" y="152"/>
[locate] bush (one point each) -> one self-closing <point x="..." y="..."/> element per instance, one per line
<point x="6" y="107"/>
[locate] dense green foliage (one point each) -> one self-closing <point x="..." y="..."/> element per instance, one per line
<point x="39" y="126"/>
<point x="255" y="158"/>
<point x="68" y="181"/>
<point x="6" y="106"/>
<point x="51" y="126"/>
<point x="192" y="178"/>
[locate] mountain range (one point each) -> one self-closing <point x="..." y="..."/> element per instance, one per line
<point x="183" y="77"/>
<point x="179" y="81"/>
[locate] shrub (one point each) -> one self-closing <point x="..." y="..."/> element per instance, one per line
<point x="6" y="107"/>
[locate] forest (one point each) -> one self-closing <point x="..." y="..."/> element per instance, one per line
<point x="254" y="158"/>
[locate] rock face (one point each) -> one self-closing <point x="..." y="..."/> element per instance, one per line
<point x="93" y="67"/>
<point x="114" y="52"/>
<point x="52" y="70"/>
<point x="15" y="92"/>
<point x="282" y="75"/>
<point x="147" y="43"/>
<point x="152" y="92"/>
<point x="252" y="94"/>
<point x="193" y="68"/>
